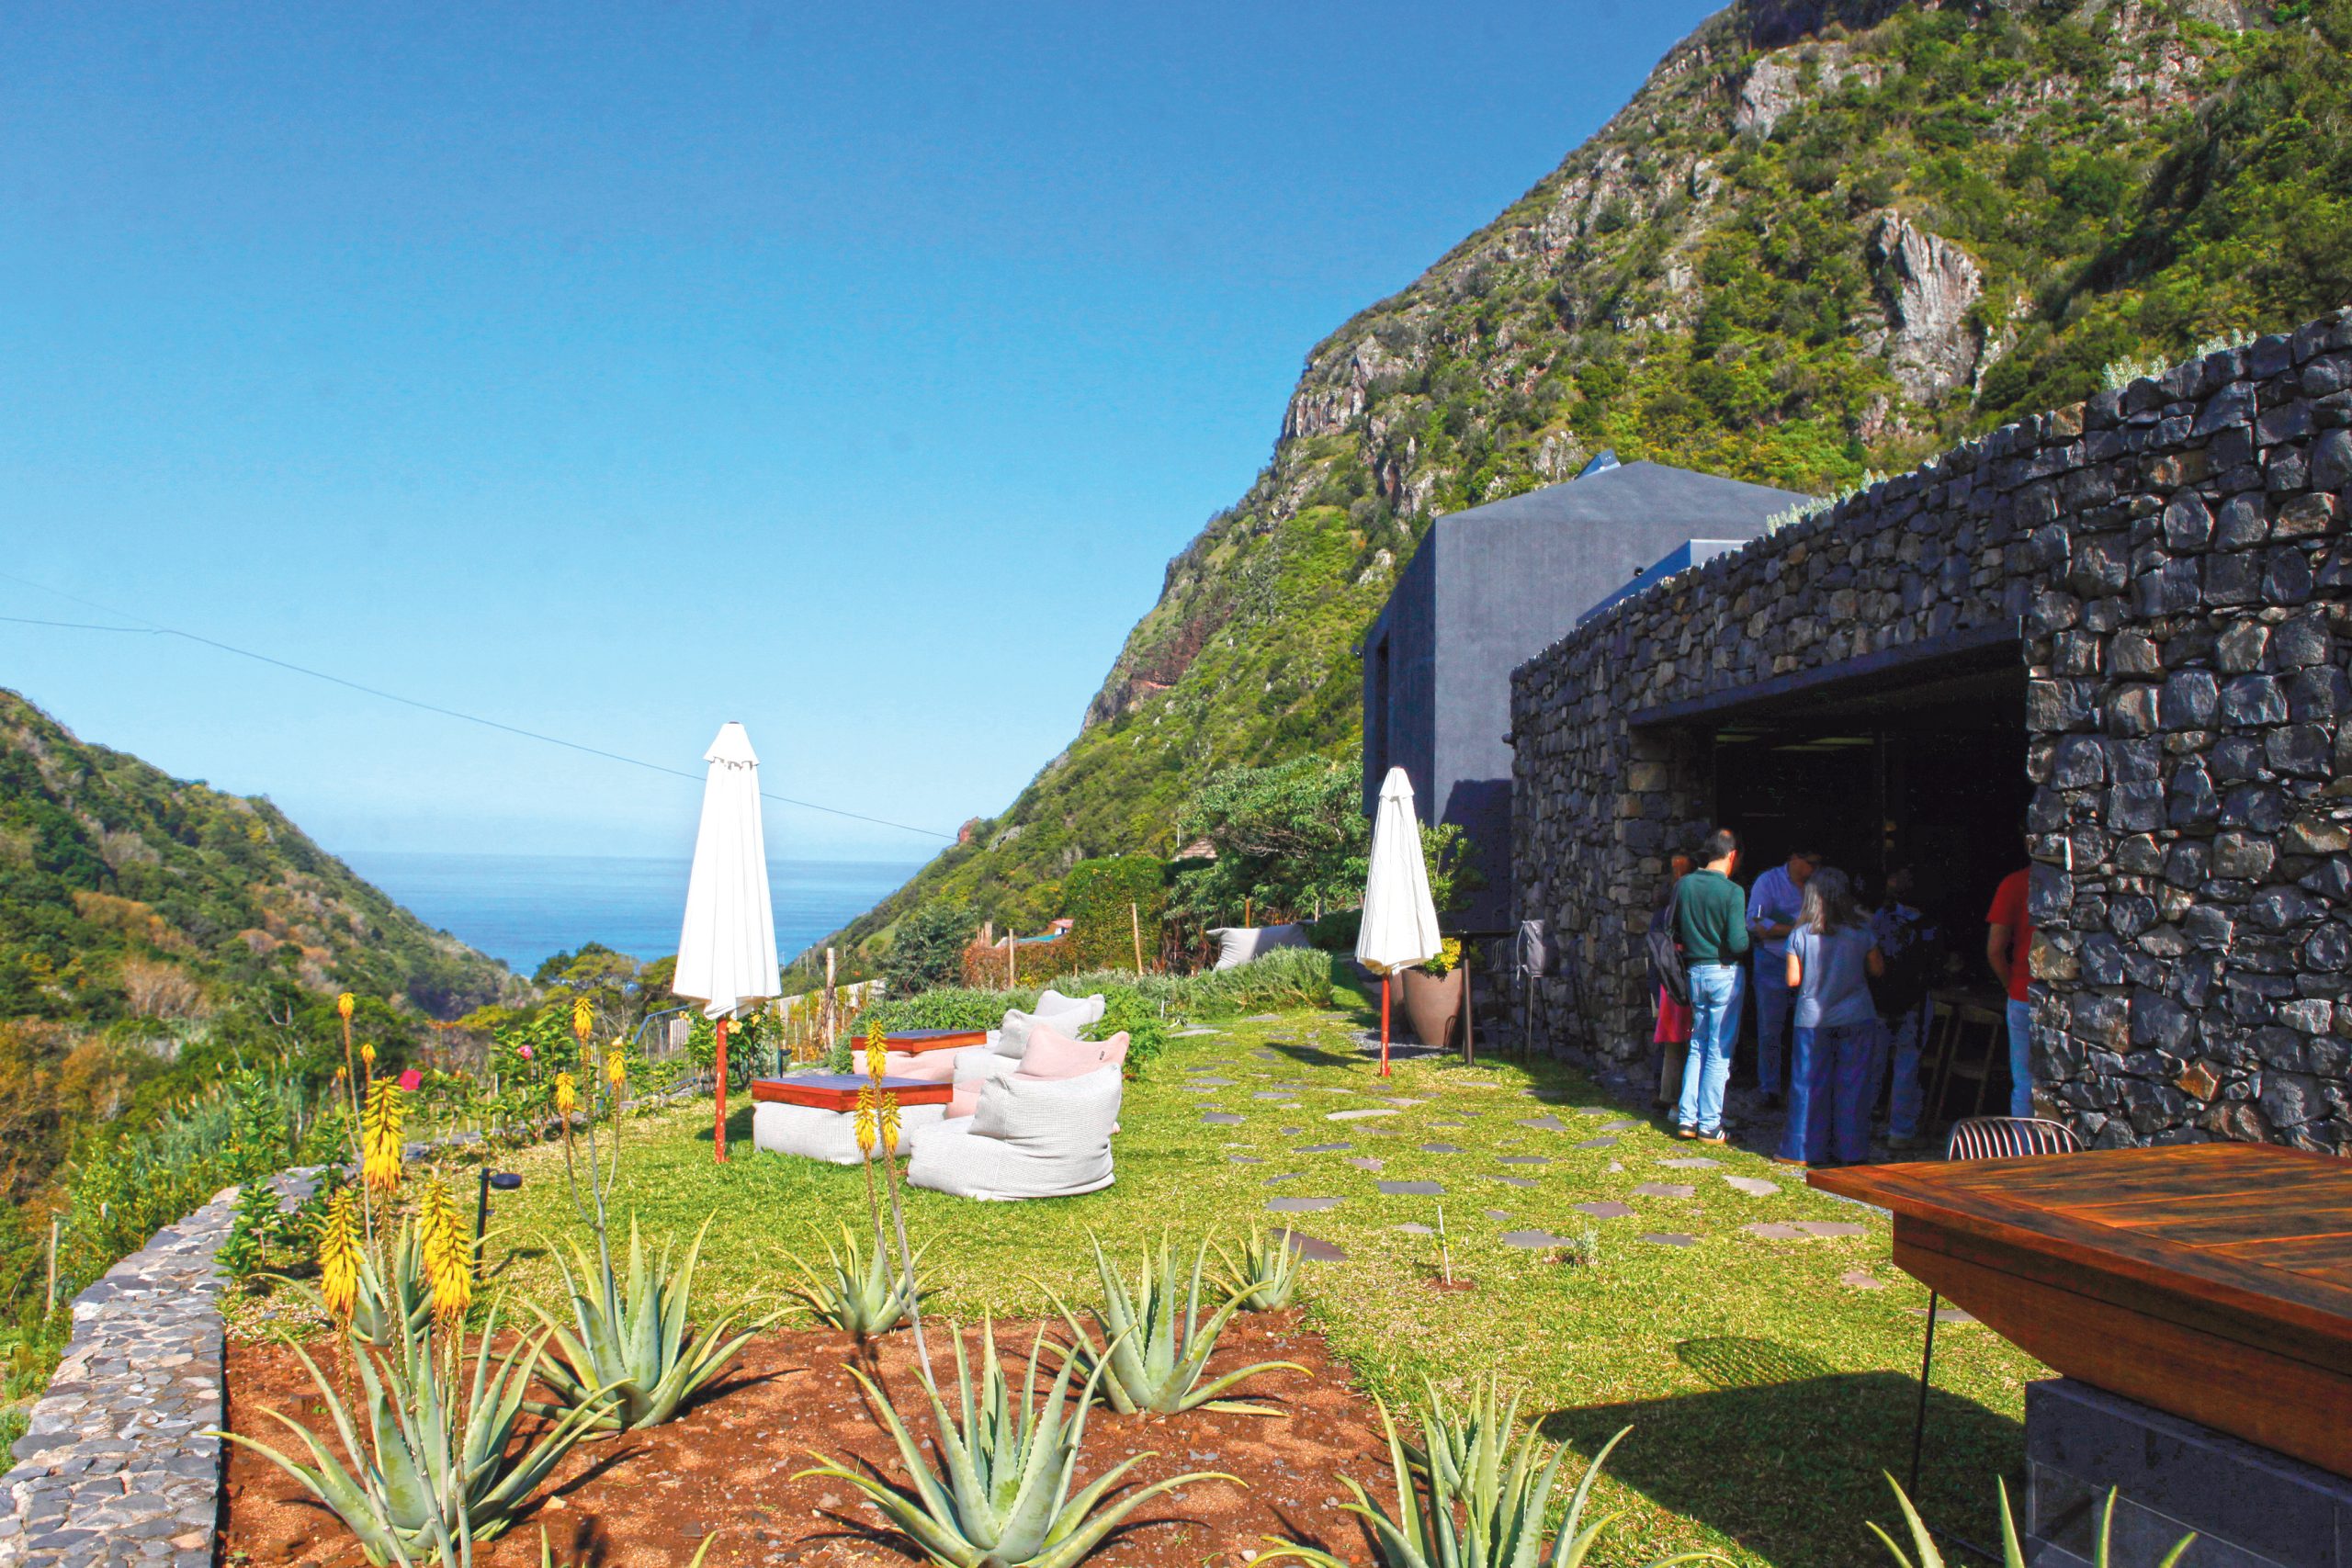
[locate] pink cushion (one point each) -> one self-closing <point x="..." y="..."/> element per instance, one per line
<point x="928" y="1067"/>
<point x="1053" y="1055"/>
<point x="966" y="1100"/>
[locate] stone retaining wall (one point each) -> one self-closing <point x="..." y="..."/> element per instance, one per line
<point x="2172" y="560"/>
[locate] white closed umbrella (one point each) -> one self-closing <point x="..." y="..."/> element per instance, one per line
<point x="1399" y="926"/>
<point x="727" y="948"/>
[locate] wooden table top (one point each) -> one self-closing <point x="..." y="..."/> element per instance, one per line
<point x="915" y="1042"/>
<point x="838" y="1091"/>
<point x="2252" y="1230"/>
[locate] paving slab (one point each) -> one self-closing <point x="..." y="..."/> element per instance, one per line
<point x="1594" y="1110"/>
<point x="1415" y="1227"/>
<point x="1830" y="1227"/>
<point x="1325" y="1148"/>
<point x="1238" y="1159"/>
<point x="1412" y="1189"/>
<point x="1774" y="1230"/>
<point x="1359" y="1114"/>
<point x="1441" y="1148"/>
<point x="1944" y="1313"/>
<point x="1620" y="1125"/>
<point x="1754" y="1186"/>
<point x="1861" y="1281"/>
<point x="1598" y="1144"/>
<point x="1193" y="1033"/>
<point x="1301" y="1205"/>
<point x="1525" y="1159"/>
<point x="1533" y="1239"/>
<point x="1209" y="1087"/>
<point x="1549" y="1123"/>
<point x="1603" y="1210"/>
<point x="1668" y="1238"/>
<point x="1367" y="1163"/>
<point x="1663" y="1189"/>
<point x="1315" y="1249"/>
<point x="1221" y="1119"/>
<point x="1696" y="1162"/>
<point x="1290" y="1132"/>
<point x="1290" y="1175"/>
<point x="1498" y="1214"/>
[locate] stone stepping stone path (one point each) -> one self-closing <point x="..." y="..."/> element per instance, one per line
<point x="1193" y="1033"/>
<point x="1859" y="1280"/>
<point x="1326" y="1149"/>
<point x="1696" y="1162"/>
<point x="1498" y="1214"/>
<point x="1414" y="1228"/>
<point x="1221" y="1119"/>
<point x="1301" y="1205"/>
<point x="1595" y="1111"/>
<point x="1245" y="1159"/>
<point x="1359" y="1114"/>
<point x="1663" y="1189"/>
<point x="1549" y="1123"/>
<point x="1441" y="1148"/>
<point x="1525" y="1159"/>
<point x="1403" y="1102"/>
<point x="1534" y="1240"/>
<point x="1944" y="1313"/>
<point x="1754" y="1186"/>
<point x="1668" y="1238"/>
<point x="1598" y="1144"/>
<point x="1292" y="1131"/>
<point x="1411" y="1189"/>
<point x="1263" y="1018"/>
<point x="1208" y="1086"/>
<point x="1605" y="1211"/>
<point x="1315" y="1249"/>
<point x="1800" y="1230"/>
<point x="1278" y="1180"/>
<point x="1831" y="1227"/>
<point x="1774" y="1230"/>
<point x="1620" y="1125"/>
<point x="1368" y="1164"/>
<point x="1511" y="1180"/>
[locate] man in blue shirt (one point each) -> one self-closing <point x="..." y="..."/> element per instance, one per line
<point x="1772" y="907"/>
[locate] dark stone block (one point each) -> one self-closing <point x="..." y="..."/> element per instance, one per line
<point x="2233" y="579"/>
<point x="2190" y="701"/>
<point x="2253" y="700"/>
<point x="2187" y="526"/>
<point x="2286" y="576"/>
<point x="2136" y="808"/>
<point x="2244" y="522"/>
<point x="2192" y="801"/>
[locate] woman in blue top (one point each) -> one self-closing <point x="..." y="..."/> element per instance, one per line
<point x="1831" y="961"/>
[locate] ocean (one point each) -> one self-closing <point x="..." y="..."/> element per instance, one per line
<point x="523" y="907"/>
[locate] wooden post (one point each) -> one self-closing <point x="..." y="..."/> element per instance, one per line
<point x="1012" y="962"/>
<point x="718" y="1132"/>
<point x="832" y="1003"/>
<point x="52" y="1265"/>
<point x="1135" y="926"/>
<point x="1244" y="911"/>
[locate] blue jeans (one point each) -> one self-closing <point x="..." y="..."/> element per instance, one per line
<point x="1832" y="1081"/>
<point x="1905" y="1032"/>
<point x="1714" y="1028"/>
<point x="2020" y="1058"/>
<point x="1774" y="1005"/>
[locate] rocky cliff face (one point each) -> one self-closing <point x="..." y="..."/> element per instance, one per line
<point x="1825" y="236"/>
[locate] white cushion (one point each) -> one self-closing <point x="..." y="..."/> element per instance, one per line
<point x="828" y="1136"/>
<point x="1068" y="1014"/>
<point x="1031" y="1138"/>
<point x="976" y="1066"/>
<point x="1237" y="945"/>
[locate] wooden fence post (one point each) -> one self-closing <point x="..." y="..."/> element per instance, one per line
<point x="52" y="1265"/>
<point x="1134" y="926"/>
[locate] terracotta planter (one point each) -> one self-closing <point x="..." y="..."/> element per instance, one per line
<point x="1433" y="1004"/>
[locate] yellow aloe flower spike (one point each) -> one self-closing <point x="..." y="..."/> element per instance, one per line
<point x="367" y="1057"/>
<point x="865" y="1120"/>
<point x="615" y="1068"/>
<point x="441" y="1241"/>
<point x="583" y="1014"/>
<point x="878" y="1052"/>
<point x="339" y="1256"/>
<point x="381" y="1144"/>
<point x="890" y="1123"/>
<point x="567" y="1095"/>
<point x="343" y="1004"/>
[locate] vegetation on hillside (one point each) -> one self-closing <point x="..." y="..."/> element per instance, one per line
<point x="1801" y="252"/>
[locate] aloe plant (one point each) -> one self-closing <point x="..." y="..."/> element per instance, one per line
<point x="635" y="1354"/>
<point x="1155" y="1345"/>
<point x="386" y="1313"/>
<point x="2012" y="1548"/>
<point x="434" y="1473"/>
<point x="1264" y="1277"/>
<point x="1487" y="1487"/>
<point x="1002" y="1496"/>
<point x="863" y="1300"/>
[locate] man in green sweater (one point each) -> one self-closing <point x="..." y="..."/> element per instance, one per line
<point x="1711" y="922"/>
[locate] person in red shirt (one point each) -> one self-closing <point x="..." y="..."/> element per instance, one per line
<point x="2008" y="938"/>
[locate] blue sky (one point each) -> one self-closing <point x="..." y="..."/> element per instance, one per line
<point x="614" y="371"/>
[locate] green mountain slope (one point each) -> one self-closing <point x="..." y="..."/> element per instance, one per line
<point x="130" y="897"/>
<point x="1823" y="239"/>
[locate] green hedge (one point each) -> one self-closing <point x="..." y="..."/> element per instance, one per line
<point x="1107" y="899"/>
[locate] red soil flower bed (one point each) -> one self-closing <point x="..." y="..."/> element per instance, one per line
<point x="645" y="1499"/>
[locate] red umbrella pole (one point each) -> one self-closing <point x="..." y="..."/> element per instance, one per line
<point x="719" y="1133"/>
<point x="1384" y="1023"/>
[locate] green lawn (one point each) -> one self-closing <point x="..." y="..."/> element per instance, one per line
<point x="1766" y="1390"/>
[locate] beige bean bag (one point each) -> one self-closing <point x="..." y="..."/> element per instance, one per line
<point x="1030" y="1138"/>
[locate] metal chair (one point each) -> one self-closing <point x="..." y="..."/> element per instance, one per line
<point x="1983" y="1137"/>
<point x="1990" y="1031"/>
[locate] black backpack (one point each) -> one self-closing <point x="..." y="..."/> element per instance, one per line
<point x="1664" y="947"/>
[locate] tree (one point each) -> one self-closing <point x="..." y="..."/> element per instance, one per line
<point x="927" y="949"/>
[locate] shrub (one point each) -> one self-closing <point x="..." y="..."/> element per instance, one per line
<point x="1109" y="900"/>
<point x="926" y="948"/>
<point x="1127" y="1003"/>
<point x="1037" y="963"/>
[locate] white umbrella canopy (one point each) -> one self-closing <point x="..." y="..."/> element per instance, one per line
<point x="727" y="948"/>
<point x="1399" y="919"/>
<point x="1399" y="927"/>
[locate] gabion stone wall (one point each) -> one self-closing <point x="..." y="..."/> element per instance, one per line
<point x="2175" y="559"/>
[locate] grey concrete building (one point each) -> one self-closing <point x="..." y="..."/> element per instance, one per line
<point x="1488" y="588"/>
<point x="2111" y="643"/>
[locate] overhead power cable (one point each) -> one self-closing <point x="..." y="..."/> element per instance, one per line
<point x="144" y="628"/>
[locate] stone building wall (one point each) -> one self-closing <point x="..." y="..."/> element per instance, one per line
<point x="2173" y="559"/>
